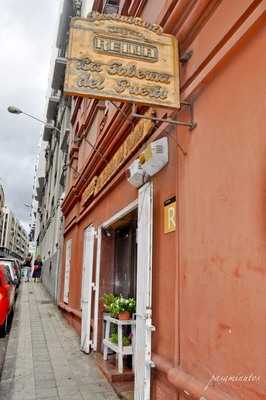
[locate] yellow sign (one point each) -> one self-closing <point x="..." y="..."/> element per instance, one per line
<point x="138" y="134"/>
<point x="141" y="130"/>
<point x="122" y="58"/>
<point x="170" y="215"/>
<point x="89" y="191"/>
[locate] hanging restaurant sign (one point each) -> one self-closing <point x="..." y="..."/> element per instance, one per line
<point x="122" y="58"/>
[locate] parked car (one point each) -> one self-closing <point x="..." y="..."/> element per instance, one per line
<point x="7" y="299"/>
<point x="14" y="268"/>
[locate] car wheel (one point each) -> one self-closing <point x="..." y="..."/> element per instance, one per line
<point x="3" y="328"/>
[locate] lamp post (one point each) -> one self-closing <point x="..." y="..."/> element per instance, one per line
<point x="16" y="110"/>
<point x="28" y="205"/>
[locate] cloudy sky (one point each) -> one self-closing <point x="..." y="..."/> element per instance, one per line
<point x="27" y="37"/>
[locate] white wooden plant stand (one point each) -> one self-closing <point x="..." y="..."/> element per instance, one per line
<point x="118" y="348"/>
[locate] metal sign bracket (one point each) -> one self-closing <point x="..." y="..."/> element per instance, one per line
<point x="191" y="124"/>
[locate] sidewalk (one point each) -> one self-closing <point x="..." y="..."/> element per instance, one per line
<point x="43" y="360"/>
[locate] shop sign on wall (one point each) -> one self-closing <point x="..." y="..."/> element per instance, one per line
<point x="89" y="191"/>
<point x="133" y="140"/>
<point x="170" y="215"/>
<point x="122" y="58"/>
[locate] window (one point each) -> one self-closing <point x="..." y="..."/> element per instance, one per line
<point x="111" y="7"/>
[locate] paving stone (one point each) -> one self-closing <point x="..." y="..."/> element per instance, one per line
<point x="93" y="396"/>
<point x="43" y="384"/>
<point x="44" y="377"/>
<point x="45" y="392"/>
<point x="47" y="398"/>
<point x="21" y="396"/>
<point x="102" y="386"/>
<point x="110" y="396"/>
<point x="67" y="391"/>
<point x="76" y="396"/>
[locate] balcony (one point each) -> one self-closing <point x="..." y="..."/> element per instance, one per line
<point x="52" y="106"/>
<point x="59" y="73"/>
<point x="39" y="189"/>
<point x="63" y="176"/>
<point x="64" y="142"/>
<point x="38" y="196"/>
<point x="48" y="131"/>
<point x="67" y="12"/>
<point x="41" y="180"/>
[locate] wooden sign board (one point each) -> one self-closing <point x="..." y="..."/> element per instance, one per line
<point x="122" y="58"/>
<point x="170" y="215"/>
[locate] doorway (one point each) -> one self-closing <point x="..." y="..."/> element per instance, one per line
<point x="125" y="256"/>
<point x="124" y="266"/>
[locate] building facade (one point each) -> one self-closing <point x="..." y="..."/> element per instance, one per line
<point x="14" y="238"/>
<point x="196" y="271"/>
<point x="2" y="203"/>
<point x="2" y="198"/>
<point x="53" y="158"/>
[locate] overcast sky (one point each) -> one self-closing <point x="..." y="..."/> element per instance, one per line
<point x="27" y="37"/>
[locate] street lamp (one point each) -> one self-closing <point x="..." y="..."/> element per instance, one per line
<point x="16" y="110"/>
<point x="28" y="205"/>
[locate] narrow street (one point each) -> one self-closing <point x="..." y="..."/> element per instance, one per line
<point x="43" y="360"/>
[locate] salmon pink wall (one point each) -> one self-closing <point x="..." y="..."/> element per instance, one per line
<point x="223" y="231"/>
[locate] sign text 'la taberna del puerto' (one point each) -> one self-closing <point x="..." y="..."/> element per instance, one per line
<point x="122" y="58"/>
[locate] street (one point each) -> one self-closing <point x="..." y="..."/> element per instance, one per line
<point x="43" y="360"/>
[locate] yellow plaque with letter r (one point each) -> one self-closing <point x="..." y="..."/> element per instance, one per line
<point x="170" y="215"/>
<point x="122" y="58"/>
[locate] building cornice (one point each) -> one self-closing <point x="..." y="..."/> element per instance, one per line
<point x="73" y="154"/>
<point x="106" y="144"/>
<point x="70" y="200"/>
<point x="76" y="109"/>
<point x="93" y="108"/>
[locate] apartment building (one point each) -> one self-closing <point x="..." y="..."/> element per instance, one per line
<point x="53" y="157"/>
<point x="2" y="203"/>
<point x="2" y="198"/>
<point x="14" y="238"/>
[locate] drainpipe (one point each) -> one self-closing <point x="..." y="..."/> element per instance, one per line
<point x="186" y="383"/>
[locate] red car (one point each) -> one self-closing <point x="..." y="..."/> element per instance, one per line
<point x="7" y="299"/>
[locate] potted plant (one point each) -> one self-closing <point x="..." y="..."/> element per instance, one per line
<point x="107" y="300"/>
<point x="126" y="340"/>
<point x="122" y="308"/>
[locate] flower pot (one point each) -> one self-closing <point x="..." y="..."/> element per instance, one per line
<point x="124" y="315"/>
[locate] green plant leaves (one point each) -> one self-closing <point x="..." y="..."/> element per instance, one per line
<point x="116" y="304"/>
